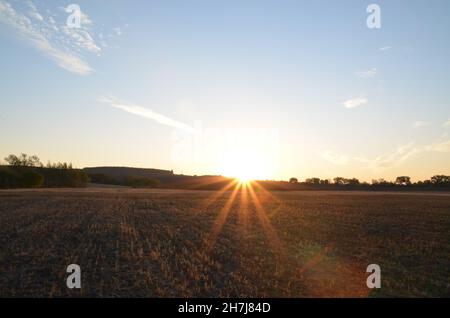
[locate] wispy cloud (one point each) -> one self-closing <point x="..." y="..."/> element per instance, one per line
<point x="61" y="44"/>
<point x="367" y="73"/>
<point x="420" y="123"/>
<point x="396" y="158"/>
<point x="388" y="160"/>
<point x="33" y="11"/>
<point x="144" y="112"/>
<point x="447" y="123"/>
<point x="335" y="158"/>
<point x="384" y="48"/>
<point x="440" y="146"/>
<point x="355" y="102"/>
<point x="81" y="36"/>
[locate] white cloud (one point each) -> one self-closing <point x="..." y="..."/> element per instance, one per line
<point x="384" y="48"/>
<point x="368" y="73"/>
<point x="355" y="102"/>
<point x="61" y="45"/>
<point x="144" y="112"/>
<point x="420" y="123"/>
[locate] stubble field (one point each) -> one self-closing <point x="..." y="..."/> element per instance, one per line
<point x="163" y="243"/>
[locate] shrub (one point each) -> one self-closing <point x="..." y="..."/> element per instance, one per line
<point x="8" y="178"/>
<point x="31" y="179"/>
<point x="61" y="177"/>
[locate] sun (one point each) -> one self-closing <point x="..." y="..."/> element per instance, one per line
<point x="244" y="180"/>
<point x="245" y="167"/>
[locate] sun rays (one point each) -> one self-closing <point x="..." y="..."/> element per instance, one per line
<point x="222" y="217"/>
<point x="248" y="200"/>
<point x="255" y="209"/>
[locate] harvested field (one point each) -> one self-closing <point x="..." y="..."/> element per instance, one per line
<point x="163" y="243"/>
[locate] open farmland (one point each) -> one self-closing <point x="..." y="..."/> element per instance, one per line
<point x="163" y="243"/>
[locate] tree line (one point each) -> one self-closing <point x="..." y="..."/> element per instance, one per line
<point x="25" y="171"/>
<point x="437" y="181"/>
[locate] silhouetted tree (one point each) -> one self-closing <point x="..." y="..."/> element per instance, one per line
<point x="352" y="181"/>
<point x="23" y="160"/>
<point x="339" y="181"/>
<point x="403" y="180"/>
<point x="59" y="165"/>
<point x="380" y="181"/>
<point x="440" y="179"/>
<point x="312" y="181"/>
<point x="293" y="180"/>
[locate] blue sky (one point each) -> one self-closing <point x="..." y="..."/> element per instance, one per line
<point x="286" y="88"/>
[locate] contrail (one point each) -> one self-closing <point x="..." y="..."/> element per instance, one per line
<point x="145" y="112"/>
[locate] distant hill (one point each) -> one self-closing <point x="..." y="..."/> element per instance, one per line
<point x="122" y="172"/>
<point x="166" y="178"/>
